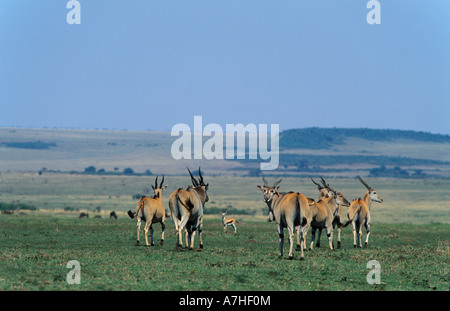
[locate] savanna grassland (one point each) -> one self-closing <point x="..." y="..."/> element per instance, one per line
<point x="410" y="236"/>
<point x="35" y="250"/>
<point x="405" y="200"/>
<point x="47" y="174"/>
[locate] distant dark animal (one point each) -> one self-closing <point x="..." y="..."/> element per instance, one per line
<point x="112" y="215"/>
<point x="8" y="212"/>
<point x="84" y="215"/>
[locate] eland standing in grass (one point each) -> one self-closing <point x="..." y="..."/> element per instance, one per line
<point x="323" y="193"/>
<point x="337" y="220"/>
<point x="290" y="210"/>
<point x="186" y="207"/>
<point x="150" y="210"/>
<point x="323" y="213"/>
<point x="201" y="188"/>
<point x="359" y="214"/>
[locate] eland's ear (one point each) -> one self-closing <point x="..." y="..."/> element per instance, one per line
<point x="165" y="187"/>
<point x="153" y="187"/>
<point x="259" y="187"/>
<point x="207" y="186"/>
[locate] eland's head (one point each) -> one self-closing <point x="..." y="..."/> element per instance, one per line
<point x="372" y="192"/>
<point x="199" y="185"/>
<point x="268" y="191"/>
<point x="324" y="191"/>
<point x="338" y="196"/>
<point x="158" y="188"/>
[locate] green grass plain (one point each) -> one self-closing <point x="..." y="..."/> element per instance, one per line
<point x="35" y="250"/>
<point x="410" y="238"/>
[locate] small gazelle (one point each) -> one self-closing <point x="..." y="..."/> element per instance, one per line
<point x="228" y="222"/>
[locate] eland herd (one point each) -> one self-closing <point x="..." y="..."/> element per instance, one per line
<point x="291" y="210"/>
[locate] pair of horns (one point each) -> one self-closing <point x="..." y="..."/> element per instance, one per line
<point x="156" y="182"/>
<point x="200" y="181"/>
<point x="324" y="185"/>
<point x="266" y="184"/>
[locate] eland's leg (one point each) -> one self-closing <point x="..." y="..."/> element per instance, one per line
<point x="368" y="233"/>
<point x="163" y="228"/>
<point x="330" y="237"/>
<point x="197" y="223"/>
<point x="318" y="238"/>
<point x="335" y="224"/>
<point x="186" y="237"/>
<point x="313" y="238"/>
<point x="200" y="230"/>
<point x="138" y="229"/>
<point x="147" y="225"/>
<point x="302" y="238"/>
<point x="281" y="236"/>
<point x="180" y="238"/>
<point x="181" y="225"/>
<point x="151" y="235"/>
<point x="359" y="235"/>
<point x="179" y="232"/>
<point x="188" y="234"/>
<point x="191" y="237"/>
<point x="339" y="237"/>
<point x="304" y="232"/>
<point x="291" y="242"/>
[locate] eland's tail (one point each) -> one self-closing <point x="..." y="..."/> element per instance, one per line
<point x="346" y="224"/>
<point x="131" y="214"/>
<point x="353" y="211"/>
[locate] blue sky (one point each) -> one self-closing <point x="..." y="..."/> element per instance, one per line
<point x="151" y="64"/>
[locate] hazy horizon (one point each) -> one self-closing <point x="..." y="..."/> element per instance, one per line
<point x="169" y="130"/>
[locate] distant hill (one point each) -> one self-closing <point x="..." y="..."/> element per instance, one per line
<point x="307" y="152"/>
<point x="375" y="152"/>
<point x="325" y="138"/>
